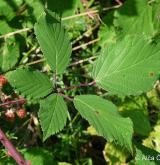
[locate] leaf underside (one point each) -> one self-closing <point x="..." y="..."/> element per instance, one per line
<point x="128" y="67"/>
<point x="52" y="115"/>
<point x="104" y="117"/>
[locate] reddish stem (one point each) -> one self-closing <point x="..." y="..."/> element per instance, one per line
<point x="66" y="97"/>
<point x="12" y="150"/>
<point x="77" y="86"/>
<point x="12" y="102"/>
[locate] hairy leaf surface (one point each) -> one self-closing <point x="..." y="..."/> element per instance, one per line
<point x="103" y="115"/>
<point x="53" y="41"/>
<point x="128" y="67"/>
<point x="52" y="115"/>
<point x="31" y="84"/>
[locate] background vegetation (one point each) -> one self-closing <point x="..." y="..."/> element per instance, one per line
<point x="91" y="25"/>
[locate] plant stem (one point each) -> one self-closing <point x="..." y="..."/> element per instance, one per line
<point x="66" y="97"/>
<point x="63" y="19"/>
<point x="12" y="150"/>
<point x="82" y="61"/>
<point x="74" y="48"/>
<point x="86" y="44"/>
<point x="12" y="102"/>
<point x="15" y="32"/>
<point x="77" y="86"/>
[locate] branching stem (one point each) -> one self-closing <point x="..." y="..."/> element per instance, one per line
<point x="77" y="86"/>
<point x="66" y="97"/>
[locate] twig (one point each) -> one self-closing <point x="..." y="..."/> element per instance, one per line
<point x="13" y="33"/>
<point x="119" y="2"/>
<point x="86" y="44"/>
<point x="12" y="150"/>
<point x="63" y="19"/>
<point x="84" y="34"/>
<point x="34" y="62"/>
<point x="12" y="102"/>
<point x="27" y="54"/>
<point x="80" y="15"/>
<point x="82" y="61"/>
<point x="90" y="12"/>
<point x="75" y="48"/>
<point x="66" y="97"/>
<point x="77" y="86"/>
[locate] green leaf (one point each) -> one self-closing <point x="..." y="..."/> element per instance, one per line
<point x="107" y="35"/>
<point x="9" y="55"/>
<point x="53" y="115"/>
<point x="53" y="41"/>
<point x="128" y="67"/>
<point x="7" y="9"/>
<point x="107" y="32"/>
<point x="146" y="156"/>
<point x="30" y="84"/>
<point x="39" y="156"/>
<point x="139" y="121"/>
<point x="35" y="155"/>
<point x="115" y="154"/>
<point x="135" y="17"/>
<point x="103" y="115"/>
<point x="63" y="7"/>
<point x="5" y="28"/>
<point x="37" y="10"/>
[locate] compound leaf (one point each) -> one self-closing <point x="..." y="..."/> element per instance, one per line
<point x="103" y="115"/>
<point x="52" y="115"/>
<point x="53" y="41"/>
<point x="30" y="84"/>
<point x="128" y="67"/>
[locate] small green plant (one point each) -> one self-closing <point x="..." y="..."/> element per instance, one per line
<point x="128" y="65"/>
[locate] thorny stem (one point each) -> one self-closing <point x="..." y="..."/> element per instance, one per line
<point x="12" y="102"/>
<point x="77" y="86"/>
<point x="12" y="150"/>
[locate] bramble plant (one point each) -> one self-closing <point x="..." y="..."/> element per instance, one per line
<point x="128" y="65"/>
